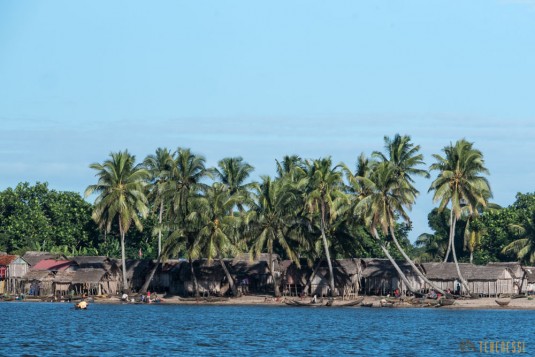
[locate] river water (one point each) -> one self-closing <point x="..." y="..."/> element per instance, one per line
<point x="54" y="329"/>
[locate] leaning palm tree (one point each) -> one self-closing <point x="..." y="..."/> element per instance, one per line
<point x="272" y="222"/>
<point x="121" y="196"/>
<point x="461" y="183"/>
<point x="399" y="165"/>
<point x="325" y="189"/>
<point x="384" y="200"/>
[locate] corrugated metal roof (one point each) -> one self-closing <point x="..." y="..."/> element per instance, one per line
<point x="52" y="265"/>
<point x="7" y="259"/>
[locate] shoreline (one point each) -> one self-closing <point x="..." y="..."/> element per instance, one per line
<point x="266" y="300"/>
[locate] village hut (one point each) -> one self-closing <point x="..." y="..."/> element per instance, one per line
<point x="5" y="261"/>
<point x="15" y="269"/>
<point x="32" y="257"/>
<point x="38" y="283"/>
<point x="92" y="281"/>
<point x="211" y="278"/>
<point x="379" y="277"/>
<point x="111" y="285"/>
<point x="167" y="277"/>
<point x="519" y="274"/>
<point x="488" y="280"/>
<point x="62" y="282"/>
<point x="315" y="279"/>
<point x="137" y="271"/>
<point x="253" y="275"/>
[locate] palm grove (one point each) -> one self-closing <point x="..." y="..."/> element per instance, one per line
<point x="171" y="205"/>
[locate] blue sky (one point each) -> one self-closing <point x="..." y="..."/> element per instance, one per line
<point x="80" y="79"/>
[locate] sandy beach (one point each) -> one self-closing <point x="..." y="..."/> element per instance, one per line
<point x="482" y="303"/>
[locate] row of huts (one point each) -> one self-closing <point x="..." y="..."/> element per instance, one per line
<point x="47" y="274"/>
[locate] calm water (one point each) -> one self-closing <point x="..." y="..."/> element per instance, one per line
<point x="52" y="329"/>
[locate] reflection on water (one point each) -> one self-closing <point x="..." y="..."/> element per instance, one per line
<point x="42" y="329"/>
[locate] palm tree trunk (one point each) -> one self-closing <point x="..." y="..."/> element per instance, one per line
<point x="160" y="230"/>
<point x="449" y="247"/>
<point x="411" y="263"/>
<point x="126" y="287"/>
<point x="309" y="280"/>
<point x="326" y="247"/>
<point x="453" y="221"/>
<point x="150" y="276"/>
<point x="471" y="256"/>
<point x="229" y="278"/>
<point x="394" y="264"/>
<point x="194" y="278"/>
<point x="276" y="289"/>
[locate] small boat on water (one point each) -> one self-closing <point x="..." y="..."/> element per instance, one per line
<point x="503" y="302"/>
<point x="369" y="304"/>
<point x="82" y="305"/>
<point x="322" y="303"/>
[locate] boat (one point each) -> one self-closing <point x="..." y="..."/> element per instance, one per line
<point x="385" y="303"/>
<point x="369" y="304"/>
<point x="82" y="305"/>
<point x="446" y="302"/>
<point x="503" y="302"/>
<point x="322" y="303"/>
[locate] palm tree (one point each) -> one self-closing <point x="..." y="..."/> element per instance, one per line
<point x="159" y="166"/>
<point x="460" y="182"/>
<point x="325" y="189"/>
<point x="382" y="200"/>
<point x="273" y="209"/>
<point x="185" y="185"/>
<point x="121" y="195"/>
<point x="233" y="172"/>
<point x="524" y="246"/>
<point x="213" y="213"/>
<point x="396" y="184"/>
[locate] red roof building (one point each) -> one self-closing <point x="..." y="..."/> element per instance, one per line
<point x="5" y="260"/>
<point x="52" y="265"/>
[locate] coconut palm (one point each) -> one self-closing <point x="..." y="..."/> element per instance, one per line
<point x="159" y="166"/>
<point x="324" y="191"/>
<point x="272" y="222"/>
<point x="233" y="172"/>
<point x="213" y="214"/>
<point x="523" y="247"/>
<point x="461" y="183"/>
<point x="121" y="196"/>
<point x="396" y="185"/>
<point x="183" y="189"/>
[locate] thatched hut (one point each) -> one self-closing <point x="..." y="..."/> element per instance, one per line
<point x="315" y="279"/>
<point x="379" y="277"/>
<point x="137" y="271"/>
<point x="211" y="278"/>
<point x="253" y="275"/>
<point x="488" y="280"/>
<point x="113" y="276"/>
<point x="92" y="281"/>
<point x="38" y="283"/>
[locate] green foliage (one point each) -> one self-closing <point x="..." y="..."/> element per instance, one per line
<point x="36" y="218"/>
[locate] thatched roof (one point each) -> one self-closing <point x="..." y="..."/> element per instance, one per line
<point x="245" y="264"/>
<point x="530" y="274"/>
<point x="64" y="277"/>
<point x="39" y="275"/>
<point x="32" y="258"/>
<point x="204" y="270"/>
<point x="88" y="275"/>
<point x="138" y="268"/>
<point x="101" y="262"/>
<point x="383" y="267"/>
<point x="448" y="271"/>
